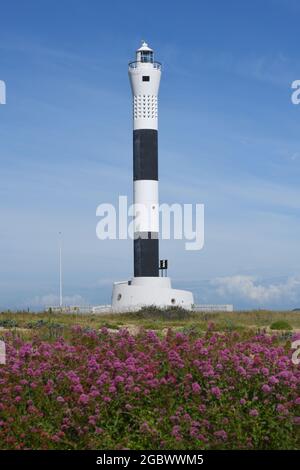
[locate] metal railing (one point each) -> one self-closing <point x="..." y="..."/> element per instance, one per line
<point x="213" y="308"/>
<point x="134" y="64"/>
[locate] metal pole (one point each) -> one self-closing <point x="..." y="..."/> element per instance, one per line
<point x="60" y="271"/>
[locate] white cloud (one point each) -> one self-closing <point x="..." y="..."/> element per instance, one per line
<point x="248" y="288"/>
<point x="275" y="69"/>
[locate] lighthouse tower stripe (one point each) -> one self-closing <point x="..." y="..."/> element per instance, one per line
<point x="145" y="189"/>
<point x="146" y="256"/>
<point x="145" y="158"/>
<point x="144" y="76"/>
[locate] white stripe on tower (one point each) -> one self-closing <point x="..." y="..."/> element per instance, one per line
<point x="145" y="195"/>
<point x="144" y="76"/>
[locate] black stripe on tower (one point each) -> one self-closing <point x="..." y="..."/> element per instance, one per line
<point x="146" y="254"/>
<point x="145" y="167"/>
<point x="145" y="155"/>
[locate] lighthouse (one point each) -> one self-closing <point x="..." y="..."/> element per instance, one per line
<point x="146" y="287"/>
<point x="144" y="75"/>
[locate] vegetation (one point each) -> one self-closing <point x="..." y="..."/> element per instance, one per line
<point x="149" y="380"/>
<point x="281" y="325"/>
<point x="151" y="318"/>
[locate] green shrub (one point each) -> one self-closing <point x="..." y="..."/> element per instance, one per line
<point x="281" y="325"/>
<point x="37" y="324"/>
<point x="8" y="323"/>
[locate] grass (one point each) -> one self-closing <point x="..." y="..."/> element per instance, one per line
<point x="56" y="324"/>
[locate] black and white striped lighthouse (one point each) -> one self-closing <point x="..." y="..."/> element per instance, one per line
<point x="146" y="287"/>
<point x="144" y="75"/>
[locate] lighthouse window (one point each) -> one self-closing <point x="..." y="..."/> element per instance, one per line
<point x="146" y="78"/>
<point x="146" y="56"/>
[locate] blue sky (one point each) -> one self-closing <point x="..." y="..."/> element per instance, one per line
<point x="228" y="138"/>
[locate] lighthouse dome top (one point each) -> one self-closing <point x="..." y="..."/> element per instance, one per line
<point x="144" y="47"/>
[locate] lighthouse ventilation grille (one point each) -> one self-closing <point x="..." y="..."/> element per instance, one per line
<point x="145" y="106"/>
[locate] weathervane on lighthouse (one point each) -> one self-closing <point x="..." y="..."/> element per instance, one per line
<point x="146" y="287"/>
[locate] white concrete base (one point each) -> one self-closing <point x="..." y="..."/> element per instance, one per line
<point x="146" y="291"/>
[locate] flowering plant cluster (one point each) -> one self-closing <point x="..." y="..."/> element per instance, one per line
<point x="102" y="390"/>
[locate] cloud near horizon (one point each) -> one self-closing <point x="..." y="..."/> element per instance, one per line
<point x="50" y="300"/>
<point x="243" y="291"/>
<point x="248" y="288"/>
